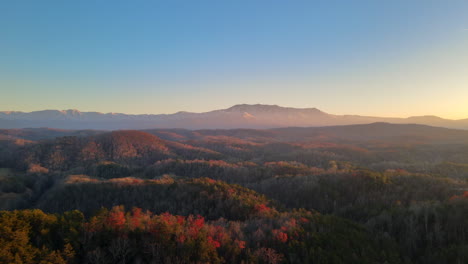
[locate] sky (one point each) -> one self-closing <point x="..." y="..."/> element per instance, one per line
<point x="394" y="58"/>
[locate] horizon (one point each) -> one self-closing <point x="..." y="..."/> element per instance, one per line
<point x="247" y="131"/>
<point x="392" y="59"/>
<point x="188" y="111"/>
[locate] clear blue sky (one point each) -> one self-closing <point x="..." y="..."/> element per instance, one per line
<point x="387" y="58"/>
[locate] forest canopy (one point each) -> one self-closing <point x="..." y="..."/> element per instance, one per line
<point x="334" y="195"/>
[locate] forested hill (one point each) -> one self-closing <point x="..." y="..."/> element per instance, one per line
<point x="386" y="132"/>
<point x="376" y="193"/>
<point x="364" y="132"/>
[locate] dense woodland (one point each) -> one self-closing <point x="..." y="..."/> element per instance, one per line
<point x="377" y="193"/>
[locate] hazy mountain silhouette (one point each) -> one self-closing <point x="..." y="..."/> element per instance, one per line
<point x="238" y="116"/>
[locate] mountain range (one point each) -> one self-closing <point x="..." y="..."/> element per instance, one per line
<point x="256" y="116"/>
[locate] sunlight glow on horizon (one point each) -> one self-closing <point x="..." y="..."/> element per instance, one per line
<point x="388" y="61"/>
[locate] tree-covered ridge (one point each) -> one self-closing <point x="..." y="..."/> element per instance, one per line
<point x="138" y="236"/>
<point x="379" y="147"/>
<point x="401" y="190"/>
<point x="204" y="196"/>
<point x="130" y="148"/>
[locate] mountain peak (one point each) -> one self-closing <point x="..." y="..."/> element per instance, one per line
<point x="237" y="116"/>
<point x="243" y="107"/>
<point x="433" y="117"/>
<point x="71" y="112"/>
<point x="266" y="108"/>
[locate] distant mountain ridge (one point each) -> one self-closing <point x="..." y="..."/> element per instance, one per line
<point x="256" y="116"/>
